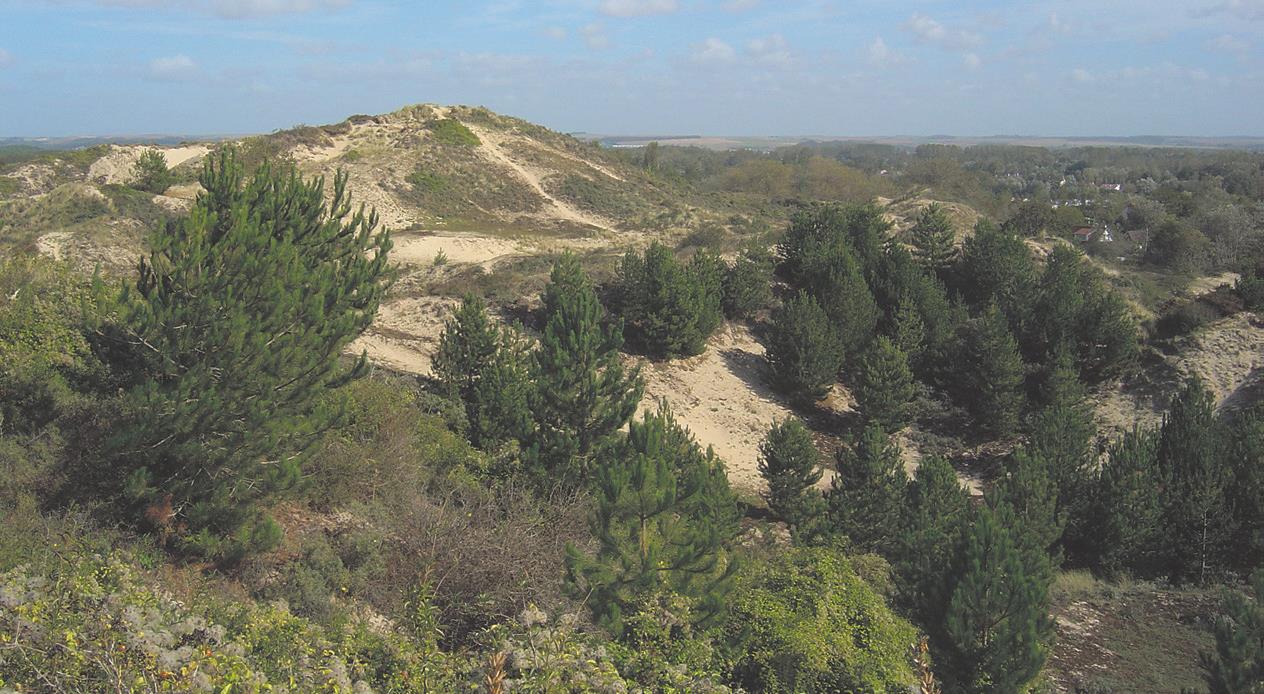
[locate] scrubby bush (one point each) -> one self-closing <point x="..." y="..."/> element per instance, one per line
<point x="806" y="622"/>
<point x="150" y="172"/>
<point x="451" y="131"/>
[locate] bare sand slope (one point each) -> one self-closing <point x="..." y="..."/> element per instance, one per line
<point x="406" y="333"/>
<point x="422" y="249"/>
<point x="1228" y="355"/>
<point x="116" y="165"/>
<point x="722" y="398"/>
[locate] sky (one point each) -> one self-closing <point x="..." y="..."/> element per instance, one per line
<point x="649" y="67"/>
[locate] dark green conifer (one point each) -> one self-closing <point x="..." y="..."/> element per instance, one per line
<point x="1062" y="436"/>
<point x="670" y="309"/>
<point x="1029" y="493"/>
<point x="804" y="349"/>
<point x="936" y="514"/>
<point x="997" y="630"/>
<point x="1195" y="470"/>
<point x="1125" y="513"/>
<point x="866" y="496"/>
<point x="665" y="516"/>
<point x="989" y="373"/>
<point x="934" y="241"/>
<point x="884" y="386"/>
<point x="583" y="394"/>
<point x="748" y="283"/>
<point x="1237" y="664"/>
<point x="791" y="466"/>
<point x="242" y="312"/>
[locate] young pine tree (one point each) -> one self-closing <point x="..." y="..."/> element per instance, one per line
<point x="996" y="267"/>
<point x="990" y="373"/>
<point x="1195" y="470"/>
<point x="670" y="309"/>
<point x="1246" y="496"/>
<point x="1030" y="498"/>
<point x="884" y="386"/>
<point x="1125" y="512"/>
<point x="997" y="630"/>
<point x="804" y="350"/>
<point x="748" y="283"/>
<point x="866" y="496"/>
<point x="934" y="241"/>
<point x="487" y="369"/>
<point x="936" y="515"/>
<point x="1237" y="664"/>
<point x="1062" y="436"/>
<point x="150" y="172"/>
<point x="665" y="516"/>
<point x="583" y="395"/>
<point x="242" y="312"/>
<point x="791" y="465"/>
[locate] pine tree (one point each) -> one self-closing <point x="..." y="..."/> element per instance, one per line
<point x="1030" y="497"/>
<point x="884" y="386"/>
<point x="1237" y="664"/>
<point x="748" y="283"/>
<point x="1062" y="436"/>
<point x="804" y="350"/>
<point x="243" y="310"/>
<point x="837" y="282"/>
<point x="990" y="373"/>
<point x="934" y="241"/>
<point x="936" y="514"/>
<point x="791" y="466"/>
<point x="997" y="630"/>
<point x="1247" y="490"/>
<point x="1125" y="513"/>
<point x="487" y="369"/>
<point x="670" y="310"/>
<point x="909" y="332"/>
<point x="866" y="496"/>
<point x="665" y="515"/>
<point x="150" y="172"/>
<point x="996" y="267"/>
<point x="583" y="395"/>
<point x="1195" y="470"/>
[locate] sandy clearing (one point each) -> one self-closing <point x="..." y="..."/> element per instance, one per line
<point x="406" y="333"/>
<point x="722" y="398"/>
<point x="491" y="148"/>
<point x="1228" y="355"/>
<point x="416" y="249"/>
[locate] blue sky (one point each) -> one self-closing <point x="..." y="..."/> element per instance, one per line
<point x="734" y="67"/>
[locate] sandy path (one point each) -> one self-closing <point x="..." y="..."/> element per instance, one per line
<point x="406" y="333"/>
<point x="491" y="149"/>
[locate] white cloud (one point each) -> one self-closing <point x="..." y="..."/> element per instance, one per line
<point x="740" y="5"/>
<point x="1249" y="10"/>
<point x="927" y="30"/>
<point x="1228" y="43"/>
<point x="972" y="60"/>
<point x="1083" y="76"/>
<point x="232" y="9"/>
<point x="594" y="36"/>
<point x="6" y="58"/>
<point x="638" y="8"/>
<point x="558" y="33"/>
<point x="175" y="67"/>
<point x="882" y="55"/>
<point x="713" y="51"/>
<point x="772" y="50"/>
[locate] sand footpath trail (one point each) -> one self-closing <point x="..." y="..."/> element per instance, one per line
<point x="491" y="148"/>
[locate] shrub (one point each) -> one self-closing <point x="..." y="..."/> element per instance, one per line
<point x="748" y="283"/>
<point x="451" y="131"/>
<point x="669" y="309"/>
<point x="804" y="349"/>
<point x="806" y="622"/>
<point x="150" y="172"/>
